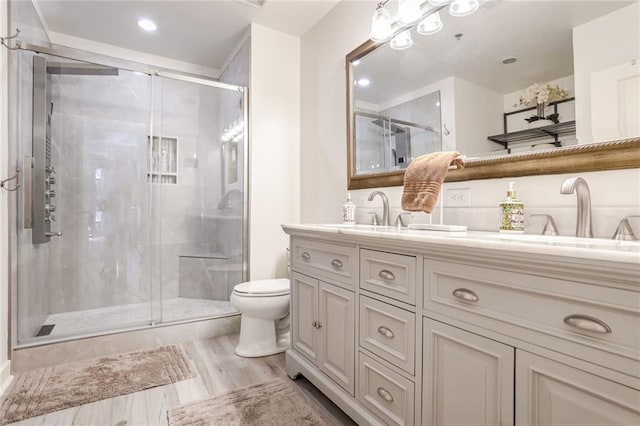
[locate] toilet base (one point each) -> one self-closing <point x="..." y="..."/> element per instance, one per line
<point x="258" y="337"/>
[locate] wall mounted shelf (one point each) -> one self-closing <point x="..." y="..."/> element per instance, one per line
<point x="554" y="130"/>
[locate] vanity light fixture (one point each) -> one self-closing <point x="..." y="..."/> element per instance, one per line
<point x="402" y="41"/>
<point x="147" y="25"/>
<point x="384" y="27"/>
<point x="460" y="8"/>
<point x="430" y="25"/>
<point x="381" y="30"/>
<point x="409" y="12"/>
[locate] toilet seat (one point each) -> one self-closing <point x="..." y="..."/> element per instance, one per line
<point x="263" y="288"/>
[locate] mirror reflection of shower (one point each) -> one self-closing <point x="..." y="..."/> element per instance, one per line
<point x="390" y="136"/>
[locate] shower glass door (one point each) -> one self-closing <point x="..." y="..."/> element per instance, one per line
<point x="83" y="234"/>
<point x="131" y="210"/>
<point x="199" y="216"/>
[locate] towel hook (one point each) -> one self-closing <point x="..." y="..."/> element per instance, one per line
<point x="446" y="131"/>
<point x="4" y="40"/>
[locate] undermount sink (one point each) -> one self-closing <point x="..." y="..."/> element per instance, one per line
<point x="560" y="240"/>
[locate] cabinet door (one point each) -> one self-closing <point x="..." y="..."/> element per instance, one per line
<point x="468" y="379"/>
<point x="549" y="393"/>
<point x="304" y="306"/>
<point x="337" y="339"/>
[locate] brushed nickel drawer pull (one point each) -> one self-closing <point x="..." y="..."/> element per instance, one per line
<point x="386" y="275"/>
<point x="386" y="332"/>
<point x="305" y="256"/>
<point x="384" y="394"/>
<point x="336" y="263"/>
<point x="465" y="294"/>
<point x="587" y="323"/>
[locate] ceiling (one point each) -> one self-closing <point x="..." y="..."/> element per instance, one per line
<point x="537" y="33"/>
<point x="203" y="32"/>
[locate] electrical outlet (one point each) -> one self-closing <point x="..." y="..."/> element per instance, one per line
<point x="457" y="197"/>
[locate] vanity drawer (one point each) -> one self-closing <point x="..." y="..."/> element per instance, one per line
<point x="388" y="332"/>
<point x="332" y="262"/>
<point x="580" y="319"/>
<point x="389" y="274"/>
<point x="384" y="392"/>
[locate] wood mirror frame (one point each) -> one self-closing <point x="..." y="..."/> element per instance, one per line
<point x="621" y="154"/>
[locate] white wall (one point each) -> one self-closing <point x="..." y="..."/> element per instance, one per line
<point x="275" y="148"/>
<point x="610" y="40"/>
<point x="478" y="113"/>
<point x="323" y="151"/>
<point x="323" y="161"/>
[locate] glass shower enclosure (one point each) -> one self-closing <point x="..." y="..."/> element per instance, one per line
<point x="131" y="210"/>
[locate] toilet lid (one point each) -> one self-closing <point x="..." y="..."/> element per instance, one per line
<point x="275" y="287"/>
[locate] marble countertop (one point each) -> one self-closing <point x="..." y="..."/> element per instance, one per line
<point x="583" y="248"/>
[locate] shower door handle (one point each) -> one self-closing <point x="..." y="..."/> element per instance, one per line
<point x="53" y="234"/>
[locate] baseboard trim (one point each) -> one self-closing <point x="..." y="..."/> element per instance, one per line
<point x="296" y="364"/>
<point x="5" y="376"/>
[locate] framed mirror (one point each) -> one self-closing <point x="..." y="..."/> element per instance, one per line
<point x="468" y="88"/>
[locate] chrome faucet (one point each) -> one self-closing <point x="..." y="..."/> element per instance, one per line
<point x="579" y="185"/>
<point x="385" y="205"/>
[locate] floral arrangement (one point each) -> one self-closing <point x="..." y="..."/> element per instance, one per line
<point x="541" y="93"/>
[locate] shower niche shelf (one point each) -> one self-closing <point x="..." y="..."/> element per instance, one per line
<point x="164" y="160"/>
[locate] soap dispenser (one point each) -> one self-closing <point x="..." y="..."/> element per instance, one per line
<point x="511" y="213"/>
<point x="349" y="212"/>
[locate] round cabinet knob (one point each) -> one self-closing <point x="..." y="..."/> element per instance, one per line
<point x="305" y="256"/>
<point x="336" y="263"/>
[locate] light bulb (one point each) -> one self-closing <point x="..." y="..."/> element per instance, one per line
<point x="463" y="7"/>
<point x="401" y="41"/>
<point x="430" y="25"/>
<point x="381" y="25"/>
<point x="409" y="12"/>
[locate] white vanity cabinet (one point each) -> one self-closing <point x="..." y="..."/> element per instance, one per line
<point x="399" y="328"/>
<point x="324" y="327"/>
<point x="467" y="379"/>
<point x="555" y="394"/>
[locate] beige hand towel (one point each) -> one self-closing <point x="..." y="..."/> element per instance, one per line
<point x="424" y="177"/>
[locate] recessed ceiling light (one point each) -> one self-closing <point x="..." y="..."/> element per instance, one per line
<point x="147" y="25"/>
<point x="509" y="60"/>
<point x="364" y="82"/>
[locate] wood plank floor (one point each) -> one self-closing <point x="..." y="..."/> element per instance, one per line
<point x="219" y="371"/>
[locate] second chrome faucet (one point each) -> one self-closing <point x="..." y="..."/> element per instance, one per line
<point x="580" y="187"/>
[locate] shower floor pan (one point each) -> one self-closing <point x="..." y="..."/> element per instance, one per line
<point x="115" y="317"/>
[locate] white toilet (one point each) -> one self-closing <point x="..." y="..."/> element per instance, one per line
<point x="264" y="326"/>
